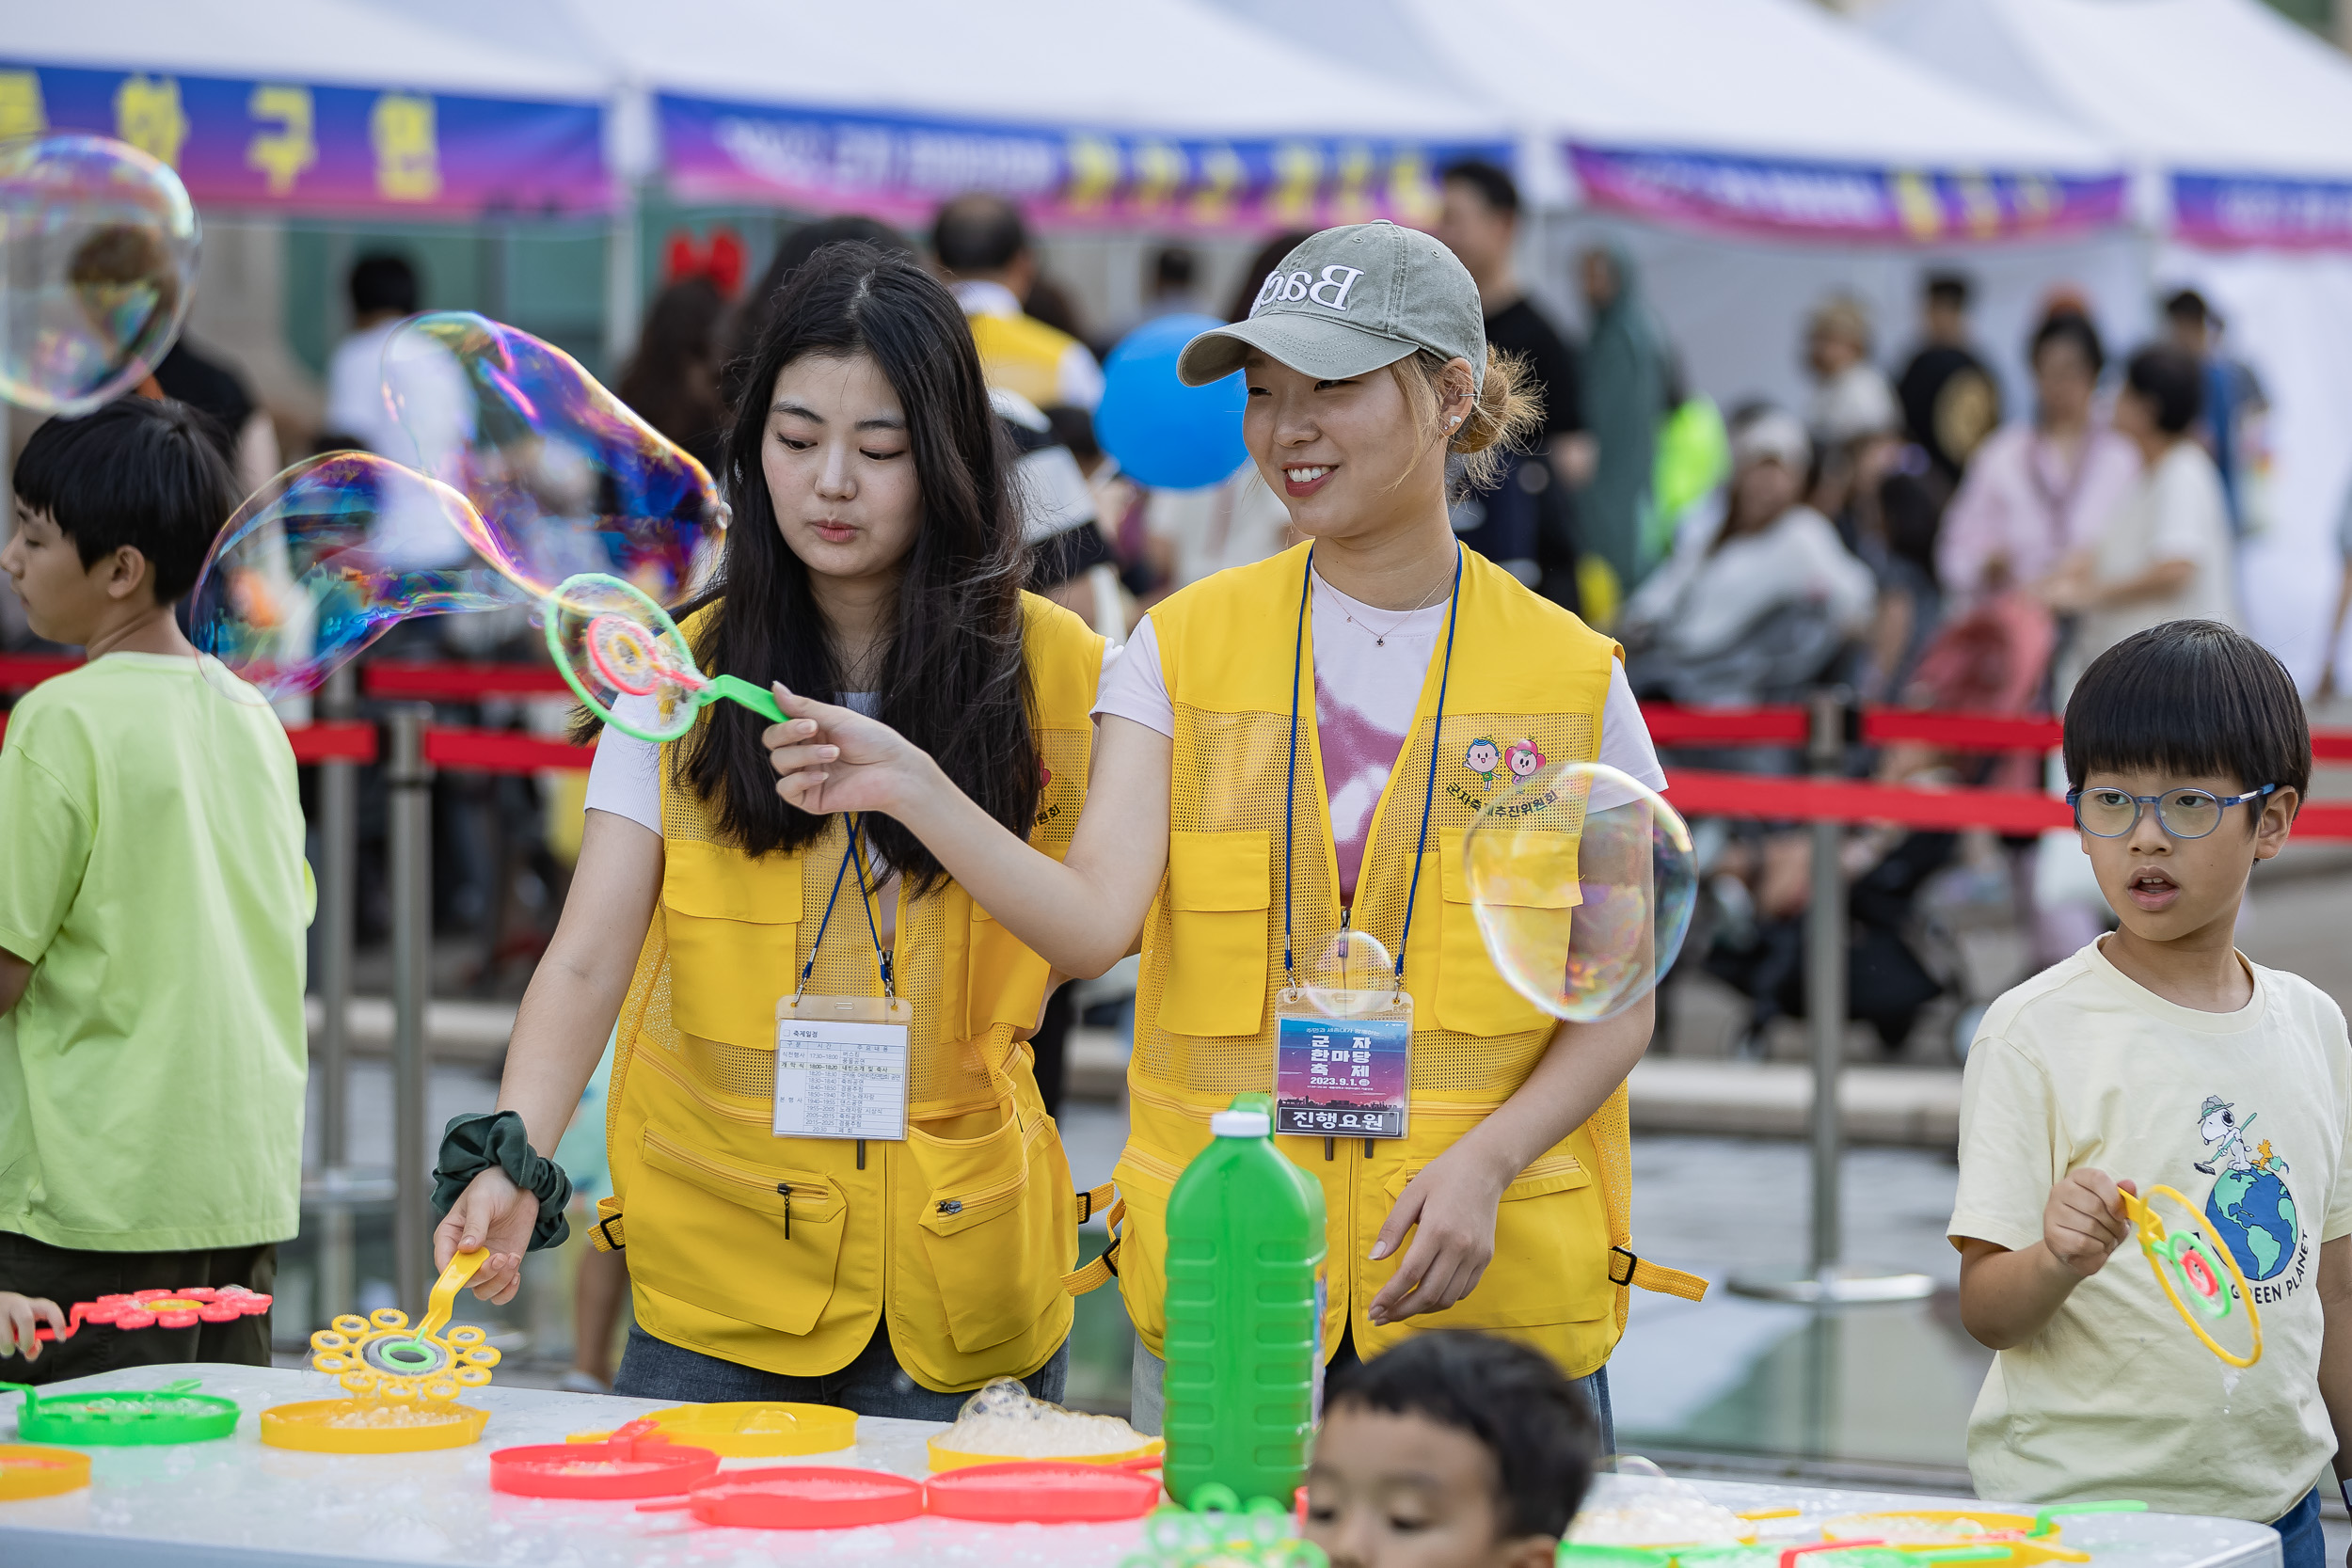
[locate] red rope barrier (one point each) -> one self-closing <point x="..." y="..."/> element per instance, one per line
<point x="312" y="743"/>
<point x="437" y="681"/>
<point x="500" y="751"/>
<point x="1702" y="792"/>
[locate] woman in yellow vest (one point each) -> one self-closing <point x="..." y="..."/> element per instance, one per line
<point x="1296" y="748"/>
<point x="832" y="1170"/>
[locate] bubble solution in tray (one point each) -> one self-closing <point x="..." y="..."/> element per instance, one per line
<point x="1003" y="1422"/>
<point x="799" y="1496"/>
<point x="371" y="1426"/>
<point x="636" y="1462"/>
<point x="172" y="1414"/>
<point x="1041" y="1492"/>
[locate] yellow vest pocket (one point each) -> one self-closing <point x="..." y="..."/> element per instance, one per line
<point x="732" y="923"/>
<point x="1218" y="896"/>
<point x="1144" y="1181"/>
<point x="1551" y="1253"/>
<point x="996" y="1228"/>
<point x="1531" y="902"/>
<point x="758" y="1243"/>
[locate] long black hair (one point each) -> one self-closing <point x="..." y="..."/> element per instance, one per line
<point x="950" y="673"/>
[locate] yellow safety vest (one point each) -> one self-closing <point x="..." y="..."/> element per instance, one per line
<point x="782" y="1253"/>
<point x="1022" y="355"/>
<point x="1521" y="669"/>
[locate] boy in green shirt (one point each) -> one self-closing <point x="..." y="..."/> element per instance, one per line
<point x="153" y="903"/>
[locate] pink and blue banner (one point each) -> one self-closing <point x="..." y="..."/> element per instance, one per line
<point x="2226" y="210"/>
<point x="902" y="166"/>
<point x="1786" y="198"/>
<point x="295" y="146"/>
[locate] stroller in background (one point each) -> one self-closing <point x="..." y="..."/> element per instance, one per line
<point x="1994" y="659"/>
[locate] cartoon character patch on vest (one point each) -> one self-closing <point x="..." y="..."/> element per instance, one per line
<point x="2250" y="1206"/>
<point x="1482" y="758"/>
<point x="1524" y="759"/>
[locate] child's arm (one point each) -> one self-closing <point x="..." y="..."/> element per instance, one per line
<point x="15" y="974"/>
<point x="2006" y="1297"/>
<point x="2335" y="1345"/>
<point x="19" y="1317"/>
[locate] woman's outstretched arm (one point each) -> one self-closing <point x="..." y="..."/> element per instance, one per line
<point x="1081" y="913"/>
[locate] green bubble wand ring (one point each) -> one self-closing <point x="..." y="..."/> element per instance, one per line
<point x="632" y="646"/>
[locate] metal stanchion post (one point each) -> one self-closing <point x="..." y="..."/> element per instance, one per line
<point x="1825" y="983"/>
<point x="409" y="779"/>
<point x="338" y="856"/>
<point x="1828" y="1281"/>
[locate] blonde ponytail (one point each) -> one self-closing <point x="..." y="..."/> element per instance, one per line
<point x="1507" y="416"/>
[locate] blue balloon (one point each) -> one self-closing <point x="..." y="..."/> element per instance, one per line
<point x="1164" y="434"/>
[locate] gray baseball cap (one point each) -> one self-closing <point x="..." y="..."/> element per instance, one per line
<point x="1348" y="301"/>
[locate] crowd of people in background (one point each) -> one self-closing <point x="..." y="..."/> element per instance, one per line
<point x="1901" y="534"/>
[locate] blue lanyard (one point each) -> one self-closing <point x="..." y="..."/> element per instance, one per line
<point x="1429" y="794"/>
<point x="881" y="960"/>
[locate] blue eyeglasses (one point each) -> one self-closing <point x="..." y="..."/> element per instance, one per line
<point x="2180" y="813"/>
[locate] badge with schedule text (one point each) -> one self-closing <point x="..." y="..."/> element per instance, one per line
<point x="1343" y="1062"/>
<point x="841" y="1067"/>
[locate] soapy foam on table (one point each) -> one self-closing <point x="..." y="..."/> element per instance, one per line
<point x="1668" y="1520"/>
<point x="376" y="1416"/>
<point x="118" y="1409"/>
<point x="1004" y="1419"/>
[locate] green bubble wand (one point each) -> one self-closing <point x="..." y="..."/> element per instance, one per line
<point x="632" y="646"/>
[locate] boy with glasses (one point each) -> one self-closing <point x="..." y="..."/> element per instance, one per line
<point x="2189" y="756"/>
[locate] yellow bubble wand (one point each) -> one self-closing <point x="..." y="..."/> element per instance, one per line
<point x="2188" y="1259"/>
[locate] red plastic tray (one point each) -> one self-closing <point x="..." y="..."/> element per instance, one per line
<point x="800" y="1496"/>
<point x="623" y="1468"/>
<point x="1046" y="1492"/>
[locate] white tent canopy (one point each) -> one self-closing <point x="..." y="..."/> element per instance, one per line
<point x="2212" y="85"/>
<point x="343" y="42"/>
<point x="2240" y="128"/>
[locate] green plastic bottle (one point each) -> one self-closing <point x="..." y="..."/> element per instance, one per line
<point x="1244" y="1312"/>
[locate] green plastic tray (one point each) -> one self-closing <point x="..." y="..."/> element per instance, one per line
<point x="172" y="1414"/>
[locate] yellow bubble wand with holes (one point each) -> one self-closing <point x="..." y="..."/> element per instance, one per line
<point x="2194" y="1262"/>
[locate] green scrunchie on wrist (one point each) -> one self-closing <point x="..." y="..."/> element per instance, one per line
<point x="475" y="1144"/>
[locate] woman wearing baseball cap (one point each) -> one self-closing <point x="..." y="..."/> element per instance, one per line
<point x="1294" y="748"/>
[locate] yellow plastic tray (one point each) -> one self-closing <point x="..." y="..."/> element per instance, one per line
<point x="950" y="1459"/>
<point x="28" y="1471"/>
<point x="751" y="1430"/>
<point x="305" y="1426"/>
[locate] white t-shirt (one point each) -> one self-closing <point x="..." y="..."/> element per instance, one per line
<point x="2177" y="512"/>
<point x="1706" y="598"/>
<point x="2246" y="1114"/>
<point x="1370" y="666"/>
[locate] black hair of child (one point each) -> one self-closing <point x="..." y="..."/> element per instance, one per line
<point x="135" y="471"/>
<point x="1522" y="1409"/>
<point x="2190" y="698"/>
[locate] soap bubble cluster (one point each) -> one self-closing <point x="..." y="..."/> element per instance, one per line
<point x="564" y="476"/>
<point x="325" y="560"/>
<point x="1582" y="880"/>
<point x="98" y="252"/>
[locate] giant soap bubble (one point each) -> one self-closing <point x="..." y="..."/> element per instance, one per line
<point x="1581" y="878"/>
<point x="327" y="557"/>
<point x="565" y="479"/>
<point x="98" y="245"/>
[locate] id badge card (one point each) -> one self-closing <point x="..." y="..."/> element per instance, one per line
<point x="1343" y="1069"/>
<point x="841" y="1067"/>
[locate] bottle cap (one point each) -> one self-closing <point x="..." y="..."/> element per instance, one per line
<point x="1240" y="1124"/>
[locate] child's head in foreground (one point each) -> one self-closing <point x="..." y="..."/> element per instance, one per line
<point x="114" y="513"/>
<point x="1452" y="1450"/>
<point x="2207" y="720"/>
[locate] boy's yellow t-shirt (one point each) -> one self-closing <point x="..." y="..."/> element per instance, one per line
<point x="2080" y="1066"/>
<point x="151" y="1078"/>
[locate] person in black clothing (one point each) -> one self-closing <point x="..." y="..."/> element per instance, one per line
<point x="1949" y="400"/>
<point x="1526" y="522"/>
